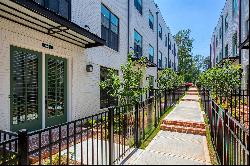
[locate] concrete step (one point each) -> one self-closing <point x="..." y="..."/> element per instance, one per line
<point x="186" y="99"/>
<point x="192" y="93"/>
<point x="184" y="123"/>
<point x="182" y="129"/>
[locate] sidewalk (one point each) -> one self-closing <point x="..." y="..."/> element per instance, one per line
<point x="173" y="145"/>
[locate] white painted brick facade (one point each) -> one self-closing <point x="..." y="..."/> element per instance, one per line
<point x="16" y="35"/>
<point x="233" y="27"/>
<point x="83" y="87"/>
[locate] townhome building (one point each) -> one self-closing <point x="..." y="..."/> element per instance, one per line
<point x="227" y="37"/>
<point x="55" y="53"/>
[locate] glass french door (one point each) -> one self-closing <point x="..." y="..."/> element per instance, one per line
<point x="26" y="106"/>
<point x="25" y="89"/>
<point x="56" y="90"/>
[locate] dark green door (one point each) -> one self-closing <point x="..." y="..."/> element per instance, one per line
<point x="25" y="89"/>
<point x="56" y="90"/>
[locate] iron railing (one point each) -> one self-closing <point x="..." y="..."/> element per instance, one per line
<point x="229" y="133"/>
<point x="100" y="139"/>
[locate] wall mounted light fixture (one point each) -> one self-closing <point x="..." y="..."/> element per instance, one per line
<point x="89" y="68"/>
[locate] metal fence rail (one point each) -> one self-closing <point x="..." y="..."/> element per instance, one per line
<point x="8" y="148"/>
<point x="230" y="135"/>
<point x="100" y="139"/>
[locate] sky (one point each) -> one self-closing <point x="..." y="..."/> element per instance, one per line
<point x="201" y="16"/>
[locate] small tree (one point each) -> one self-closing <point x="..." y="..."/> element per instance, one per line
<point x="168" y="79"/>
<point x="129" y="89"/>
<point x="223" y="78"/>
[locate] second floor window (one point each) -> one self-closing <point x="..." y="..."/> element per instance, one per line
<point x="235" y="7"/>
<point x="226" y="51"/>
<point x="137" y="44"/>
<point x="160" y="60"/>
<point x="110" y="28"/>
<point x="235" y="48"/>
<point x="138" y="5"/>
<point x="160" y="31"/>
<point x="220" y="33"/>
<point x="151" y="54"/>
<point x="226" y="23"/>
<point x="166" y="41"/>
<point x="166" y="62"/>
<point x="151" y="20"/>
<point x="61" y="7"/>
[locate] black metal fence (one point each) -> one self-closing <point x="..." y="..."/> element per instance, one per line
<point x="229" y="132"/>
<point x="100" y="139"/>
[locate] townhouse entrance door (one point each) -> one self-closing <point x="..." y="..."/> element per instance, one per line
<point x="25" y="89"/>
<point x="56" y="90"/>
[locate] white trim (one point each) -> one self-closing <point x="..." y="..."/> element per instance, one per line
<point x="69" y="88"/>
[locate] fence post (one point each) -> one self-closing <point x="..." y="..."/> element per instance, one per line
<point x="23" y="147"/>
<point x="111" y="133"/>
<point x="137" y="126"/>
<point x="225" y="138"/>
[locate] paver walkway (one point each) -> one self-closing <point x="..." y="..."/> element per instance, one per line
<point x="174" y="148"/>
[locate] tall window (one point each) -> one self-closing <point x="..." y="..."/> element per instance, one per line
<point x="220" y="33"/>
<point x="105" y="99"/>
<point x="235" y="49"/>
<point x="137" y="44"/>
<point x="151" y="20"/>
<point x="216" y="41"/>
<point x="160" y="60"/>
<point x="220" y="58"/>
<point x="166" y="41"/>
<point x="235" y="7"/>
<point x="226" y="22"/>
<point x="151" y="85"/>
<point x="110" y="28"/>
<point x="61" y="7"/>
<point x="247" y="27"/>
<point x="160" y="31"/>
<point x="226" y="51"/>
<point x="138" y="5"/>
<point x="166" y="62"/>
<point x="151" y="54"/>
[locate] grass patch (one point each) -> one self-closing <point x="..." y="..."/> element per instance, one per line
<point x="155" y="131"/>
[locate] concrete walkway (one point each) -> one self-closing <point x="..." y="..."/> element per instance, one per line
<point x="177" y="148"/>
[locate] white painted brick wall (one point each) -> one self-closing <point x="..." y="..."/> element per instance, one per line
<point x="14" y="34"/>
<point x="233" y="27"/>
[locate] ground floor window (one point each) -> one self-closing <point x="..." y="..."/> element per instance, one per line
<point x="105" y="99"/>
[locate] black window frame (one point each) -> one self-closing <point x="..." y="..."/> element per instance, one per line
<point x="138" y="50"/>
<point x="160" y="60"/>
<point x="226" y="50"/>
<point x="138" y="6"/>
<point x="107" y="33"/>
<point x="45" y="4"/>
<point x="105" y="99"/>
<point x="151" y="57"/>
<point x="160" y="31"/>
<point x="151" y="22"/>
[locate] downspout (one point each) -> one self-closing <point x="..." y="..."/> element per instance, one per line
<point x="222" y="40"/>
<point x="240" y="31"/>
<point x="168" y="49"/>
<point x="174" y="56"/>
<point x="210" y="58"/>
<point x="157" y="44"/>
<point x="214" y="51"/>
<point x="128" y="25"/>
